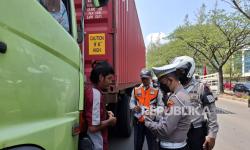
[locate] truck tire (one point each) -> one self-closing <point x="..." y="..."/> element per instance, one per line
<point x="124" y="120"/>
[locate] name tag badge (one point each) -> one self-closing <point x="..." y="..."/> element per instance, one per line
<point x="193" y="96"/>
<point x="152" y="92"/>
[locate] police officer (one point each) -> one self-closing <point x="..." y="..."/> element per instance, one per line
<point x="202" y="135"/>
<point x="143" y="98"/>
<point x="172" y="128"/>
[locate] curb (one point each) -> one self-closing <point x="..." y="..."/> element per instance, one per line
<point x="232" y="97"/>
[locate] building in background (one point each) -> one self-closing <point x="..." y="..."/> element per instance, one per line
<point x="246" y="63"/>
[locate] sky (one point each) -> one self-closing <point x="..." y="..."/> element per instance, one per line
<point x="161" y="17"/>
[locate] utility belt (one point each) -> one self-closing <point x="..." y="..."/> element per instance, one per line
<point x="196" y="125"/>
<point x="171" y="145"/>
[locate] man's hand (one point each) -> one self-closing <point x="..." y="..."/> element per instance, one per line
<point x="110" y="113"/>
<point x="147" y="113"/>
<point x="150" y="114"/>
<point x="137" y="109"/>
<point x="209" y="143"/>
<point x="112" y="120"/>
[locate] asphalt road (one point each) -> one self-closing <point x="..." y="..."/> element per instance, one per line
<point x="234" y="133"/>
<point x="117" y="143"/>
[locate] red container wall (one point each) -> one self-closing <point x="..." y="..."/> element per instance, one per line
<point x="115" y="31"/>
<point x="98" y="21"/>
<point x="130" y="49"/>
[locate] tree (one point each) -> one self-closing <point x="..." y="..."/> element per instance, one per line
<point x="186" y="20"/>
<point x="243" y="6"/>
<point x="217" y="39"/>
<point x="163" y="54"/>
<point x="201" y="16"/>
<point x="234" y="67"/>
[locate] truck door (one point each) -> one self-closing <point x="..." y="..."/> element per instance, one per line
<point x="39" y="78"/>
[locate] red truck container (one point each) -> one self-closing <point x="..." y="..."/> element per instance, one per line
<point x="113" y="33"/>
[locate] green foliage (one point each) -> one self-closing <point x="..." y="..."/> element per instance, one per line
<point x="201" y="16"/>
<point x="212" y="40"/>
<point x="216" y="40"/>
<point x="163" y="54"/>
<point x="242" y="6"/>
<point x="233" y="67"/>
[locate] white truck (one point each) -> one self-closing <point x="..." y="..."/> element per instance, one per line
<point x="212" y="80"/>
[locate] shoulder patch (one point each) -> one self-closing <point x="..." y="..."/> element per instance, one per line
<point x="210" y="98"/>
<point x="207" y="96"/>
<point x="170" y="103"/>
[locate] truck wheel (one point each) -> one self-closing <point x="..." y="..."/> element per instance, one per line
<point x="124" y="120"/>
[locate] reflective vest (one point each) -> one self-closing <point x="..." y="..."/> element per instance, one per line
<point x="146" y="97"/>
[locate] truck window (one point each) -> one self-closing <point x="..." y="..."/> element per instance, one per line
<point x="60" y="10"/>
<point x="68" y="11"/>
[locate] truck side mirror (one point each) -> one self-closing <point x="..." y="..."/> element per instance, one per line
<point x="100" y="3"/>
<point x="79" y="34"/>
<point x="80" y="26"/>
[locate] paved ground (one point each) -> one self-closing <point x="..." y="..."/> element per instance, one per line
<point x="234" y="131"/>
<point x="124" y="143"/>
<point x="234" y="134"/>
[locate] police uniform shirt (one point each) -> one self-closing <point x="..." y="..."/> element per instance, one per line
<point x="172" y="127"/>
<point x="201" y="97"/>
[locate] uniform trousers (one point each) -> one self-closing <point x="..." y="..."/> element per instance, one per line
<point x="196" y="138"/>
<point x="140" y="132"/>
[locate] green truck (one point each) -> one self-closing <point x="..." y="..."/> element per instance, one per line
<point x="41" y="78"/>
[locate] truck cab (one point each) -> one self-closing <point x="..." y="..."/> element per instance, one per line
<point x="41" y="77"/>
